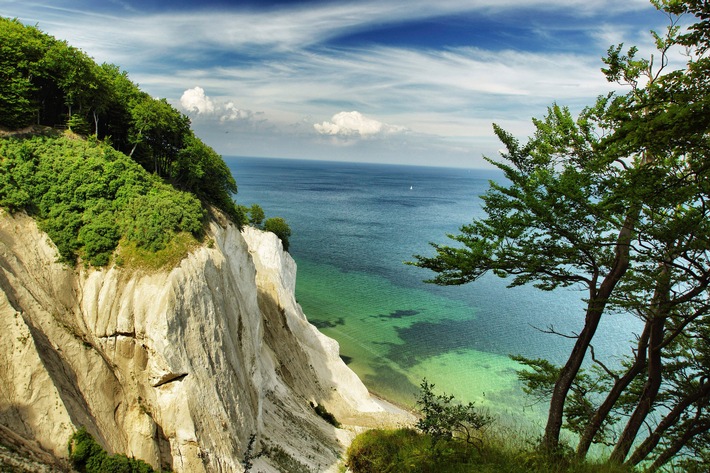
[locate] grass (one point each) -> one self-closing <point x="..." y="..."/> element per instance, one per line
<point x="131" y="256"/>
<point x="407" y="450"/>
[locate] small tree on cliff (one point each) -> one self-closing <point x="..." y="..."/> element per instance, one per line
<point x="615" y="201"/>
<point x="279" y="226"/>
<point x="256" y="215"/>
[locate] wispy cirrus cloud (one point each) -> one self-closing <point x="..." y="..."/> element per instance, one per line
<point x="308" y="67"/>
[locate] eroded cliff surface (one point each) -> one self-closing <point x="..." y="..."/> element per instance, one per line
<point x="179" y="367"/>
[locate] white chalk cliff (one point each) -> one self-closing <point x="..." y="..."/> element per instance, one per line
<point x="178" y="368"/>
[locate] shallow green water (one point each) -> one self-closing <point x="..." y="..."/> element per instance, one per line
<point x="353" y="227"/>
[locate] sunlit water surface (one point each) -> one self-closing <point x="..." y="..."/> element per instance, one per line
<point x="354" y="226"/>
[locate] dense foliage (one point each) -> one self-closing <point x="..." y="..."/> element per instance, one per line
<point x="44" y="81"/>
<point x="615" y="201"/>
<point x="86" y="196"/>
<point x="87" y="456"/>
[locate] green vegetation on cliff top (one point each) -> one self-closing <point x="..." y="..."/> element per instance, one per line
<point x="142" y="177"/>
<point x="88" y="197"/>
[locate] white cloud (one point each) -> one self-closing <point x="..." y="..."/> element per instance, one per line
<point x="195" y="100"/>
<point x="231" y="113"/>
<point x="354" y="123"/>
<point x="279" y="62"/>
<point x="134" y="37"/>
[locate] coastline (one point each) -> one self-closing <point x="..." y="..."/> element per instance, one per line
<point x="392" y="416"/>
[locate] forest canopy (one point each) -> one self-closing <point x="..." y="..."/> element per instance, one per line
<point x="45" y="81"/>
<point x="141" y="175"/>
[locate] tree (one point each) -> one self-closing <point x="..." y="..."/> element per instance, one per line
<point x="199" y="169"/>
<point x="158" y="132"/>
<point x="21" y="49"/>
<point x="279" y="226"/>
<point x="443" y="418"/>
<point x="256" y="215"/>
<point x="613" y="201"/>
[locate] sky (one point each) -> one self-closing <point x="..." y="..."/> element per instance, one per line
<point x="395" y="81"/>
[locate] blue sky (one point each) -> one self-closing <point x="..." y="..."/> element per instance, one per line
<point x="396" y="81"/>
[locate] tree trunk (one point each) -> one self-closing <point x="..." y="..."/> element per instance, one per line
<point x="677" y="446"/>
<point x="648" y="395"/>
<point x="96" y="123"/>
<point x="657" y="318"/>
<point x="135" y="145"/>
<point x="671" y="419"/>
<point x="623" y="382"/>
<point x="595" y="309"/>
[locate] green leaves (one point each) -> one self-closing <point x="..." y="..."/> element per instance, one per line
<point x="152" y="219"/>
<point x="86" y="196"/>
<point x="279" y="226"/>
<point x="615" y="201"/>
<point x="45" y="81"/>
<point x="443" y="418"/>
<point x="88" y="456"/>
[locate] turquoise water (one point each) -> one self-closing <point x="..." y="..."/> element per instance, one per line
<point x="354" y="226"/>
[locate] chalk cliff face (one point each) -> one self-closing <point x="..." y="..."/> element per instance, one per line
<point x="179" y="367"/>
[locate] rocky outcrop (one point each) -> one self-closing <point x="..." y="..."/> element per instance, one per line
<point x="178" y="368"/>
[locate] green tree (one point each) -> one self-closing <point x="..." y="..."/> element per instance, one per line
<point x="158" y="133"/>
<point x="200" y="170"/>
<point x="614" y="201"/>
<point x="443" y="418"/>
<point x="256" y="215"/>
<point x="279" y="226"/>
<point x="19" y="49"/>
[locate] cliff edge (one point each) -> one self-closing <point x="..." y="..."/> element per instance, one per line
<point x="178" y="368"/>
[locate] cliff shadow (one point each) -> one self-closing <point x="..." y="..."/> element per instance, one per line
<point x="295" y="416"/>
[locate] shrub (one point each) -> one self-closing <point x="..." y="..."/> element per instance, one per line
<point x="256" y="215"/>
<point x="443" y="418"/>
<point x="279" y="226"/>
<point x="325" y="415"/>
<point x="87" y="456"/>
<point x="87" y="196"/>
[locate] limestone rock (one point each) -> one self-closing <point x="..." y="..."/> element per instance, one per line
<point x="178" y="368"/>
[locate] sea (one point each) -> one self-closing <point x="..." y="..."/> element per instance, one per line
<point x="355" y="225"/>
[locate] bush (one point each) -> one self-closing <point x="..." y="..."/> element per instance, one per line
<point x="87" y="456"/>
<point x="153" y="219"/>
<point x="443" y="418"/>
<point x="325" y="415"/>
<point x="256" y="215"/>
<point x="87" y="196"/>
<point x="279" y="226"/>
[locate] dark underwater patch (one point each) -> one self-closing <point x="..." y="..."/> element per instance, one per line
<point x="321" y="324"/>
<point x="390" y="383"/>
<point x="424" y="340"/>
<point x="399" y="314"/>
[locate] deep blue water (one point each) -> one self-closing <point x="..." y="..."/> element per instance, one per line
<point x="353" y="227"/>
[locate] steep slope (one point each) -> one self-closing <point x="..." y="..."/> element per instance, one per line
<point x="179" y="367"/>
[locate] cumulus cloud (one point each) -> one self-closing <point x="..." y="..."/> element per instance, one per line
<point x="355" y="124"/>
<point x="231" y="113"/>
<point x="195" y="100"/>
